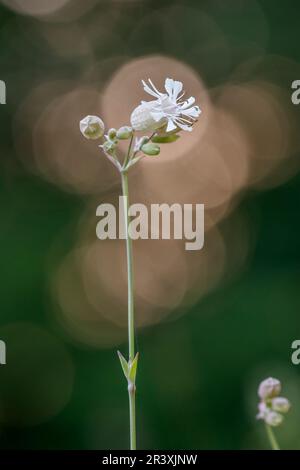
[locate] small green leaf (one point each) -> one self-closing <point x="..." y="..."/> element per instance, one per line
<point x="164" y="139"/>
<point x="133" y="368"/>
<point x="124" y="364"/>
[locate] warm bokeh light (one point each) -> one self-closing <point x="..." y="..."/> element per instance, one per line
<point x="51" y="10"/>
<point x="35" y="7"/>
<point x="210" y="323"/>
<point x="228" y="151"/>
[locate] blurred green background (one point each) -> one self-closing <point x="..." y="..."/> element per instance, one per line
<point x="200" y="367"/>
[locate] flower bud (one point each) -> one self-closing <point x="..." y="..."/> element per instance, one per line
<point x="109" y="146"/>
<point x="150" y="149"/>
<point x="139" y="142"/>
<point x="269" y="388"/>
<point x="92" y="127"/>
<point x="273" y="418"/>
<point x="112" y="133"/>
<point x="124" y="133"/>
<point x="281" y="404"/>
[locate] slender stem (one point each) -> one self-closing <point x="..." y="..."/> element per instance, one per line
<point x="131" y="394"/>
<point x="127" y="158"/>
<point x="129" y="267"/>
<point x="272" y="438"/>
<point x="131" y="386"/>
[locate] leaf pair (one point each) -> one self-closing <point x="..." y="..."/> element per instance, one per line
<point x="130" y="367"/>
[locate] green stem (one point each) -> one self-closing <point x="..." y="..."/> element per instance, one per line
<point x="272" y="438"/>
<point x="131" y="386"/>
<point x="127" y="158"/>
<point x="131" y="394"/>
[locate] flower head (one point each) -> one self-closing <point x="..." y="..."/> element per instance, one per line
<point x="92" y="127"/>
<point x="262" y="410"/>
<point x="269" y="388"/>
<point x="281" y="404"/>
<point x="271" y="407"/>
<point x="167" y="110"/>
<point x="273" y="418"/>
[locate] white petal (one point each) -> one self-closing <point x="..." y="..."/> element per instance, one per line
<point x="184" y="127"/>
<point x="154" y="88"/>
<point x="169" y="84"/>
<point x="149" y="103"/>
<point x="173" y="88"/>
<point x="188" y="103"/>
<point x="151" y="92"/>
<point x="171" y="126"/>
<point x="193" y="112"/>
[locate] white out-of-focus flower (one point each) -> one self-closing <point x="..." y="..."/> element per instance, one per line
<point x="262" y="410"/>
<point x="92" y="127"/>
<point x="271" y="407"/>
<point x="281" y="404"/>
<point x="166" y="110"/>
<point x="273" y="418"/>
<point x="269" y="388"/>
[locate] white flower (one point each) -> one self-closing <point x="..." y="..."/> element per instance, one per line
<point x="166" y="110"/>
<point x="271" y="406"/>
<point x="281" y="404"/>
<point x="273" y="418"/>
<point x="269" y="388"/>
<point x="262" y="410"/>
<point x="92" y="127"/>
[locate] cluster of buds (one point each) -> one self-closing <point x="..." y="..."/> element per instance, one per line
<point x="113" y="137"/>
<point x="271" y="406"/>
<point x="163" y="117"/>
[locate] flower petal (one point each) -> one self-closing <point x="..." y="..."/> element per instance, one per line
<point x="151" y="92"/>
<point x="173" y="88"/>
<point x="171" y="126"/>
<point x="184" y="127"/>
<point x="187" y="103"/>
<point x="193" y="112"/>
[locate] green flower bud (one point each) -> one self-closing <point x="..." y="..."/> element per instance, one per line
<point x="112" y="133"/>
<point x="92" y="127"/>
<point x="109" y="146"/>
<point x="124" y="133"/>
<point x="150" y="149"/>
